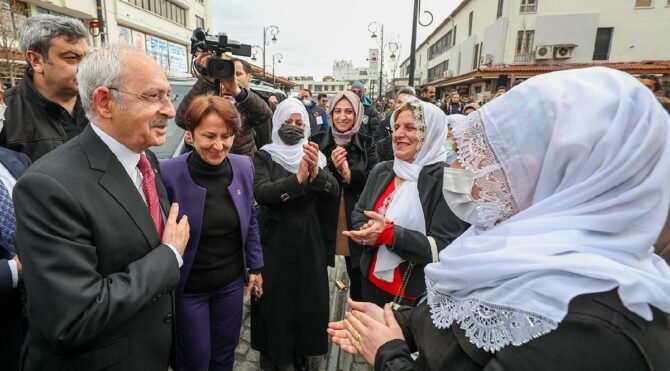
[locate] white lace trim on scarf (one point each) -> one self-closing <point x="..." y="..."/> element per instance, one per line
<point x="488" y="326"/>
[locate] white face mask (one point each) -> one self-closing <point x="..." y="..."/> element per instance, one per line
<point x="457" y="191"/>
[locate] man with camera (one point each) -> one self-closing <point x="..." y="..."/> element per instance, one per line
<point x="254" y="112"/>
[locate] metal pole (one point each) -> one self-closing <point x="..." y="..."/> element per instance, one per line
<point x="101" y="20"/>
<point x="412" y="50"/>
<point x="381" y="64"/>
<point x="264" y="53"/>
<point x="274" y="78"/>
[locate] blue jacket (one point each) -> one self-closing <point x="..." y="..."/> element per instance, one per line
<point x="314" y="111"/>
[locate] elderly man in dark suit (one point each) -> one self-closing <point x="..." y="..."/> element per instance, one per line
<point x="100" y="257"/>
<point x="12" y="165"/>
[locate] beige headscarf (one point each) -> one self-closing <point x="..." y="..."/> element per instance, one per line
<point x="342" y="139"/>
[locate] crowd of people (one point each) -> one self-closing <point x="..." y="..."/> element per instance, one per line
<point x="513" y="234"/>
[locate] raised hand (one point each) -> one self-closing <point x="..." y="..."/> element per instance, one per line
<point x="176" y="234"/>
<point x="339" y="158"/>
<point x="311" y="151"/>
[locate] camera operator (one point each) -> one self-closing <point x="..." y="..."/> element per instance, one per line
<point x="254" y="112"/>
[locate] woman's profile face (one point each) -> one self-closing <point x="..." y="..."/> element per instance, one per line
<point x="399" y="99"/>
<point x="295" y="119"/>
<point x="404" y="139"/>
<point x="212" y="139"/>
<point x="344" y="116"/>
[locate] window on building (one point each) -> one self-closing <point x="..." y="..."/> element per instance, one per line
<point x="642" y="3"/>
<point x="500" y="9"/>
<point x="472" y="13"/>
<point x="528" y="6"/>
<point x="439" y="71"/>
<point x="601" y="52"/>
<point x="199" y="22"/>
<point x="475" y="59"/>
<point x="167" y="9"/>
<point x="524" y="45"/>
<point x="453" y="42"/>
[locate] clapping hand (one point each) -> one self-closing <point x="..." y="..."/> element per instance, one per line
<point x="339" y="157"/>
<point x="311" y="151"/>
<point x="368" y="234"/>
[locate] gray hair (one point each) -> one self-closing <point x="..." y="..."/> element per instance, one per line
<point x="36" y="32"/>
<point x="102" y="67"/>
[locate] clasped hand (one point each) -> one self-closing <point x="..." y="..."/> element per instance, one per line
<point x="365" y="329"/>
<point x="309" y="165"/>
<point x="339" y="158"/>
<point x="368" y="234"/>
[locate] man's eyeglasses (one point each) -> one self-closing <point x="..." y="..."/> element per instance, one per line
<point x="156" y="98"/>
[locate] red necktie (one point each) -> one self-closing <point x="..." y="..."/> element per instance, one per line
<point x="150" y="193"/>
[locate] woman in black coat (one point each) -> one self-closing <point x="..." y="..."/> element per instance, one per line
<point x="402" y="215"/>
<point x="350" y="157"/>
<point x="288" y="322"/>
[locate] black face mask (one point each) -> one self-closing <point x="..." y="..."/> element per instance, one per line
<point x="290" y="134"/>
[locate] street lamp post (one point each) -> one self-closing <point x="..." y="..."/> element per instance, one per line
<point x="274" y="30"/>
<point x="275" y="58"/>
<point x="374" y="27"/>
<point x="394" y="51"/>
<point x="412" y="51"/>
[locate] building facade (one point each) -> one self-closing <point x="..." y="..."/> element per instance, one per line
<point x="329" y="86"/>
<point x="485" y="43"/>
<point x="162" y="28"/>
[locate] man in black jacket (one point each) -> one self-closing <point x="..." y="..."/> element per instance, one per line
<point x="44" y="109"/>
<point x="254" y="112"/>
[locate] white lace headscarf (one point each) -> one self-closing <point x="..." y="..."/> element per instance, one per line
<point x="585" y="162"/>
<point x="405" y="208"/>
<point x="289" y="157"/>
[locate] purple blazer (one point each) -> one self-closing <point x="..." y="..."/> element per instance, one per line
<point x="191" y="199"/>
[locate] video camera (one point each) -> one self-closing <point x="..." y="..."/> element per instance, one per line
<point x="217" y="67"/>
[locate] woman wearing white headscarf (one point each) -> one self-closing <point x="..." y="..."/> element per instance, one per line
<point x="557" y="271"/>
<point x="288" y="322"/>
<point x="403" y="219"/>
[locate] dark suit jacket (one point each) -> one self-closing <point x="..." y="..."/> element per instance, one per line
<point x="191" y="199"/>
<point x="413" y="246"/>
<point x="11" y="323"/>
<point x="98" y="278"/>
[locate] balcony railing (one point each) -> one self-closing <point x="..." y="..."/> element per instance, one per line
<point x="523" y="57"/>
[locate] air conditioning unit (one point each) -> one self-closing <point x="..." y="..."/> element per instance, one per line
<point x="486" y="60"/>
<point x="544" y="52"/>
<point x="448" y="73"/>
<point x="564" y="51"/>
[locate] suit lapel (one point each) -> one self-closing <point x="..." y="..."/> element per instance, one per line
<point x="117" y="183"/>
<point x="236" y="193"/>
<point x="426" y="187"/>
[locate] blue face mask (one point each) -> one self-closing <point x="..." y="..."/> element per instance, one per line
<point x="451" y="155"/>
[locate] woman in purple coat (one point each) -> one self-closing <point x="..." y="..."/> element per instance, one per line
<point x="224" y="255"/>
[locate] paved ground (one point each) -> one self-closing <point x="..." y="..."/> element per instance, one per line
<point x="247" y="359"/>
